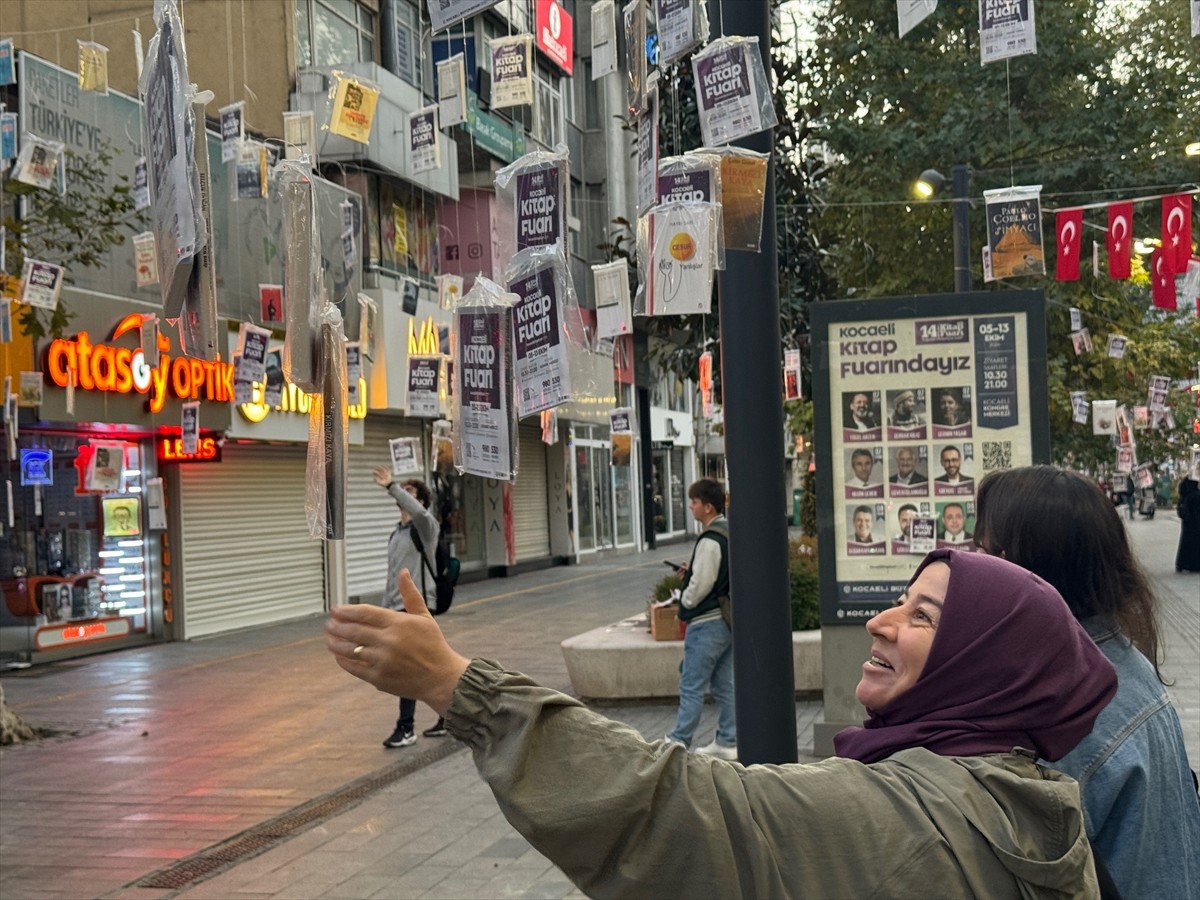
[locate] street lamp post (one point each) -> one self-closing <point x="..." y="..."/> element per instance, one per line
<point x="928" y="184"/>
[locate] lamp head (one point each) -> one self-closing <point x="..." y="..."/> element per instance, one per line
<point x="929" y="183"/>
<point x="1192" y="149"/>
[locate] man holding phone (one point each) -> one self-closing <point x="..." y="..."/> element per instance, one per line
<point x="708" y="641"/>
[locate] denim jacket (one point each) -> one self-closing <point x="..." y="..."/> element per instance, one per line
<point x="1140" y="804"/>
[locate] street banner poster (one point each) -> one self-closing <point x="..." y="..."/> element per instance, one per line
<point x="141" y="184"/>
<point x="620" y="424"/>
<point x="540" y="366"/>
<point x="38" y="162"/>
<point x="1014" y="225"/>
<point x="406" y="456"/>
<point x="791" y="374"/>
<point x="423" y="373"/>
<point x="540" y="205"/>
<point x="8" y="136"/>
<point x="1079" y="407"/>
<point x="483" y="408"/>
<point x="636" y="64"/>
<point x="682" y="27"/>
<point x="1104" y="417"/>
<point x="41" y="283"/>
<point x="923" y="405"/>
<point x="444" y="13"/>
<point x="731" y="90"/>
<point x="353" y="112"/>
<point x="1006" y="29"/>
<point x="512" y="73"/>
<point x="613" y="314"/>
<point x="681" y="259"/>
<point x="911" y="13"/>
<point x="353" y="373"/>
<point x="451" y="82"/>
<point x="423" y="146"/>
<point x="8" y="69"/>
<point x="93" y="67"/>
<point x="233" y="130"/>
<point x="449" y="288"/>
<point x="299" y="136"/>
<point x="647" y="150"/>
<point x="1076" y="319"/>
<point x="604" y="38"/>
<point x="1116" y="345"/>
<point x="145" y="259"/>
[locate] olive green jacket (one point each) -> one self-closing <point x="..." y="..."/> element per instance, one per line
<point x="626" y="818"/>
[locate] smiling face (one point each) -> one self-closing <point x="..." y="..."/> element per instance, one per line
<point x="905" y="517"/>
<point x="901" y="638"/>
<point x="862" y="527"/>
<point x="862" y="464"/>
<point x="953" y="518"/>
<point x="949" y="406"/>
<point x="859" y="405"/>
<point x="905" y="405"/>
<point x="951" y="462"/>
<point x="906" y="461"/>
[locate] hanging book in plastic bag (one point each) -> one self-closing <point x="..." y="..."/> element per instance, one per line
<point x="732" y="92"/>
<point x="682" y="27"/>
<point x="695" y="177"/>
<point x="541" y="281"/>
<point x="680" y="242"/>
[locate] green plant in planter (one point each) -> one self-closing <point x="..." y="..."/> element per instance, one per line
<point x="805" y="583"/>
<point x="665" y="585"/>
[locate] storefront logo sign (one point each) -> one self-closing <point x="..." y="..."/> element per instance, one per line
<point x="122" y="370"/>
<point x="171" y="450"/>
<point x="294" y="400"/>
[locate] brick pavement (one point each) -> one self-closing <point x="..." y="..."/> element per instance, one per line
<point x="159" y="765"/>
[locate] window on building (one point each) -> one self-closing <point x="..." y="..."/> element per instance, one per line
<point x="574" y="225"/>
<point x="671" y="392"/>
<point x="406" y="24"/>
<point x="548" y="109"/>
<point x="334" y="32"/>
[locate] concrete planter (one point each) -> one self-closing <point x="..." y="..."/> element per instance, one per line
<point x="623" y="662"/>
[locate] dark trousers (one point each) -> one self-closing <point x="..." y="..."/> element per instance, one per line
<point x="408" y="710"/>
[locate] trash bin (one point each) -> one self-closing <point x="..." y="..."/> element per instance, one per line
<point x="797" y="493"/>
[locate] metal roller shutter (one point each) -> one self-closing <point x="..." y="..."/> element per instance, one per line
<point x="248" y="558"/>
<point x="370" y="513"/>
<point x="531" y="505"/>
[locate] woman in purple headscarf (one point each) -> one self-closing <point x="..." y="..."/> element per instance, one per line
<point x="978" y="670"/>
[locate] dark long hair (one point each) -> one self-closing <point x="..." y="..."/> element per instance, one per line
<point x="1060" y="526"/>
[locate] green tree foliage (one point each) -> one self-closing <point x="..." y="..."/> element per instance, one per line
<point x="74" y="229"/>
<point x="1101" y="112"/>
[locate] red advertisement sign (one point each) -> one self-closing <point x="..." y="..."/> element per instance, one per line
<point x="555" y="34"/>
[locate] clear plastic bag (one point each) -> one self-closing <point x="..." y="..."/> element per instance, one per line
<point x="531" y="201"/>
<point x="328" y="436"/>
<point x="682" y="27"/>
<point x="679" y="243"/>
<point x="303" y="288"/>
<point x="743" y="177"/>
<point x="733" y="96"/>
<point x="690" y="178"/>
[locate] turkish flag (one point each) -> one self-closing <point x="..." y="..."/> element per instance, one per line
<point x="1162" y="280"/>
<point x="1120" y="239"/>
<point x="1068" y="225"/>
<point x="1177" y="231"/>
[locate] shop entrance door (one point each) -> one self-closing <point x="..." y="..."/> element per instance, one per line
<point x="594" y="494"/>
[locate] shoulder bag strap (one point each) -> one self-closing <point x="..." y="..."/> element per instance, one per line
<point x="416" y="539"/>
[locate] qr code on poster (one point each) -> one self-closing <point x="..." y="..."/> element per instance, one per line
<point x="997" y="455"/>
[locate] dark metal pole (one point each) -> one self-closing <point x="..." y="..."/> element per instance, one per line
<point x="960" y="179"/>
<point x="752" y="399"/>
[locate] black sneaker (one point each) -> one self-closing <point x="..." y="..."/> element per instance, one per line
<point x="400" y="738"/>
<point x="438" y="730"/>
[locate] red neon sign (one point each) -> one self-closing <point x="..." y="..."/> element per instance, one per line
<point x="171" y="450"/>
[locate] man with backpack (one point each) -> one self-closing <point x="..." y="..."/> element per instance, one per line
<point x="708" y="641"/>
<point x="411" y="546"/>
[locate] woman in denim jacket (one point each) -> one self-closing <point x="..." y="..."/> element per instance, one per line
<point x="1139" y="797"/>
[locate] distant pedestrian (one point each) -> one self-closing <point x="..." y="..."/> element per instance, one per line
<point x="1143" y="815"/>
<point x="708" y="641"/>
<point x="1187" y="557"/>
<point x="414" y="498"/>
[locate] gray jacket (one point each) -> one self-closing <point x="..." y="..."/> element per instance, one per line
<point x="402" y="553"/>
<point x="652" y="820"/>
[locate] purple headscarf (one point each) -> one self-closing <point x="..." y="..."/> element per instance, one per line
<point x="1008" y="667"/>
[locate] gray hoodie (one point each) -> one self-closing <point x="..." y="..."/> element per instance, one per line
<point x="402" y="553"/>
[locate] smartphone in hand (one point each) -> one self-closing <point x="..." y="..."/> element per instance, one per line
<point x="672" y="565"/>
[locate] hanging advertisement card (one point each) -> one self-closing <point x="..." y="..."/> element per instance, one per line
<point x="541" y="210"/>
<point x="141" y="184"/>
<point x="353" y="373"/>
<point x="444" y="13"/>
<point x="270" y="302"/>
<point x="1076" y="319"/>
<point x="1006" y="30"/>
<point x="682" y="26"/>
<point x="613" y="315"/>
<point x="353" y="108"/>
<point x="1116" y="345"/>
<point x="349" y="246"/>
<point x="912" y="13"/>
<point x="604" y="38"/>
<point x="620" y="424"/>
<point x="1079" y="407"/>
<point x="423" y="372"/>
<point x="539" y="351"/>
<point x="449" y="289"/>
<point x="1104" y="417"/>
<point x="251" y="181"/>
<point x="1195" y="27"/>
<point x="252" y="348"/>
<point x="8" y="68"/>
<point x="512" y="73"/>
<point x="549" y="423"/>
<point x="647" y="150"/>
<point x="122" y="516"/>
<point x="399" y="230"/>
<point x="705" y="382"/>
<point x="145" y="260"/>
<point x="1081" y="340"/>
<point x="368" y="310"/>
<point x="190" y="426"/>
<point x="30" y="390"/>
<point x="93" y="67"/>
<point x="483" y="414"/>
<point x="156" y="506"/>
<point x="634" y="15"/>
<point x="233" y="130"/>
<point x="410" y="295"/>
<point x="406" y="456"/>
<point x="148" y="339"/>
<point x="451" y="78"/>
<point x="41" y="283"/>
<point x="38" y="162"/>
<point x="1141" y="418"/>
<point x="441" y="446"/>
<point x="299" y="136"/>
<point x="424" y="149"/>
<point x="5" y="323"/>
<point x="681" y="264"/>
<point x="8" y="136"/>
<point x="106" y="468"/>
<point x="731" y="92"/>
<point x="791" y="374"/>
<point x="1014" y="223"/>
<point x="743" y="188"/>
